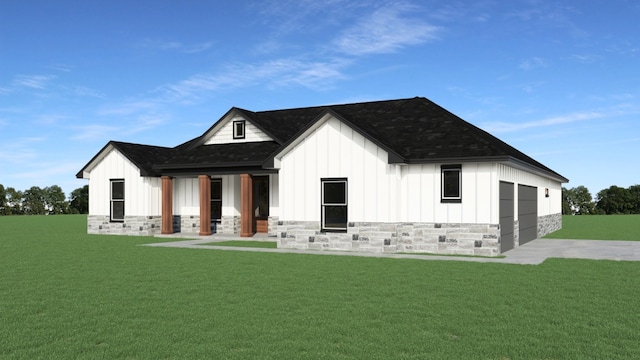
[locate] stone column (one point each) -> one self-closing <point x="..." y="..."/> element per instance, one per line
<point x="205" y="205"/>
<point x="167" y="205"/>
<point x="246" y="201"/>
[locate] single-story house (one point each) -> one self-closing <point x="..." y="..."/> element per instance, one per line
<point x="385" y="176"/>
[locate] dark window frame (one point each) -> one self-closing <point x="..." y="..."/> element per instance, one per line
<point x="324" y="205"/>
<point x="219" y="181"/>
<point x="113" y="200"/>
<point x="446" y="172"/>
<point x="239" y="124"/>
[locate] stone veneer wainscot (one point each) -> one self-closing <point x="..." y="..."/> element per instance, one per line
<point x="132" y="225"/>
<point x="436" y="238"/>
<point x="460" y="239"/>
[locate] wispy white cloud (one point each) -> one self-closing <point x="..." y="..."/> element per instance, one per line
<point x="45" y="170"/>
<point x="279" y="72"/>
<point x="50" y="119"/>
<point x="61" y="67"/>
<point x="20" y="150"/>
<point x="33" y="81"/>
<point x="169" y="45"/>
<point x="585" y="58"/>
<point x="533" y="63"/>
<point x="93" y="132"/>
<point x="386" y="30"/>
<point x="128" y="107"/>
<point x="83" y="91"/>
<point x="145" y="122"/>
<point x="505" y="127"/>
<point x="123" y="126"/>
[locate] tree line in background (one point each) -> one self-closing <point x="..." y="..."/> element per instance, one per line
<point x="43" y="201"/>
<point x="611" y="201"/>
<point x="52" y="200"/>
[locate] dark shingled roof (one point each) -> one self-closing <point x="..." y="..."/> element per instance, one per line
<point x="414" y="130"/>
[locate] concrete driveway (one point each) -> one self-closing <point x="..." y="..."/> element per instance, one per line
<point x="538" y="250"/>
<point x="533" y="253"/>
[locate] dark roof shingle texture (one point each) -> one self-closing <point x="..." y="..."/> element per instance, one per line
<point x="416" y="130"/>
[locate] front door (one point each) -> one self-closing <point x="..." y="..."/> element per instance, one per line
<point x="261" y="204"/>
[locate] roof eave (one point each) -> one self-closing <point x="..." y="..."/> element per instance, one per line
<point x="162" y="168"/>
<point x="507" y="160"/>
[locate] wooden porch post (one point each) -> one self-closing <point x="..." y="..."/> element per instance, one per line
<point x="246" y="200"/>
<point x="167" y="205"/>
<point x="205" y="205"/>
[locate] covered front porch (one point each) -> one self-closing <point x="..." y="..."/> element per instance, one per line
<point x="232" y="204"/>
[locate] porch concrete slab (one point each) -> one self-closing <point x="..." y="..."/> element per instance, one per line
<point x="532" y="253"/>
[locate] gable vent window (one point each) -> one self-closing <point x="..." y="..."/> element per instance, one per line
<point x="238" y="129"/>
<point x="117" y="200"/>
<point x="451" y="183"/>
<point x="334" y="204"/>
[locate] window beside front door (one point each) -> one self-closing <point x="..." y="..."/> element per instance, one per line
<point x="334" y="204"/>
<point x="117" y="200"/>
<point x="216" y="199"/>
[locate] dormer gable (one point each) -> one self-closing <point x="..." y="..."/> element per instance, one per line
<point x="235" y="127"/>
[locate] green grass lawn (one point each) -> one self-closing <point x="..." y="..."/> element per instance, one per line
<point x="68" y="295"/>
<point x="599" y="227"/>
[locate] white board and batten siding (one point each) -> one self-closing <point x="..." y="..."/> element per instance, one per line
<point x="142" y="195"/>
<point x="546" y="205"/>
<point x="420" y="191"/>
<point x="186" y="196"/>
<point x="334" y="150"/>
<point x="377" y="191"/>
<point x="225" y="134"/>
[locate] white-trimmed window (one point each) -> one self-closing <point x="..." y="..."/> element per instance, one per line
<point x="117" y="200"/>
<point x="239" y="129"/>
<point x="334" y="204"/>
<point x="451" y="183"/>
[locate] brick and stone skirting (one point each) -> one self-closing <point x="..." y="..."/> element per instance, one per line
<point x="436" y="238"/>
<point x="132" y="225"/>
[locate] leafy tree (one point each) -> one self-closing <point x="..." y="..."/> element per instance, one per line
<point x="614" y="200"/>
<point x="567" y="194"/>
<point x="634" y="193"/>
<point x="3" y="200"/>
<point x="79" y="200"/>
<point x="577" y="201"/>
<point x="33" y="202"/>
<point x="582" y="201"/>
<point x="14" y="202"/>
<point x="54" y="200"/>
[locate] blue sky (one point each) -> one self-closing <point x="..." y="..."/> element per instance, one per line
<point x="559" y="80"/>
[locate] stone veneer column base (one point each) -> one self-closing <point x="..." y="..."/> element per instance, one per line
<point x="190" y="224"/>
<point x="132" y="225"/>
<point x="436" y="238"/>
<point x="273" y="225"/>
<point x="229" y="225"/>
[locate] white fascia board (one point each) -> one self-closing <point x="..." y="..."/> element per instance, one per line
<point x="96" y="160"/>
<point x="521" y="165"/>
<point x="220" y="124"/>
